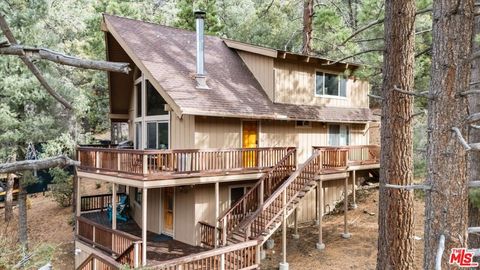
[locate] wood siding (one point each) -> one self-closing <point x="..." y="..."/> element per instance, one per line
<point x="295" y="84"/>
<point x="184" y="215"/>
<point x="262" y="69"/>
<point x="216" y="132"/>
<point x="182" y="132"/>
<point x="154" y="204"/>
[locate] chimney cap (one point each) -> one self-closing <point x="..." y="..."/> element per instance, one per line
<point x="199" y="14"/>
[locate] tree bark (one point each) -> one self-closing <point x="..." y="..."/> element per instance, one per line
<point x="59" y="58"/>
<point x="9" y="197"/>
<point x="22" y="219"/>
<point x="446" y="204"/>
<point x="396" y="227"/>
<point x="474" y="134"/>
<point x="307" y="26"/>
<point x="40" y="164"/>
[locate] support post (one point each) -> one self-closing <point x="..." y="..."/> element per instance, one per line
<point x="262" y="191"/>
<point x="354" y="189"/>
<point x="295" y="234"/>
<point x="224" y="232"/>
<point x="145" y="164"/>
<point x="320" y="245"/>
<point x="79" y="197"/>
<point x="217" y="211"/>
<point x="222" y="261"/>
<point x="136" y="255"/>
<point x="144" y="226"/>
<point x="284" y="265"/>
<point x="345" y="233"/>
<point x="114" y="206"/>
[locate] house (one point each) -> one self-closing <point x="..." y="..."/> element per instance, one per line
<point x="229" y="140"/>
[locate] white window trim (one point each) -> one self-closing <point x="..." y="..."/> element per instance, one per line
<point x="144" y="119"/>
<point x="303" y="127"/>
<point x="244" y="186"/>
<point x="329" y="96"/>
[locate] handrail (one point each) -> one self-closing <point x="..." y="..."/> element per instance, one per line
<point x="106" y="263"/>
<point x="211" y="259"/>
<point x="207" y="233"/>
<point x="178" y="161"/>
<point x="289" y="160"/>
<point x="310" y="168"/>
<point x="127" y="257"/>
<point x="269" y="172"/>
<point x="97" y="202"/>
<point x="121" y="233"/>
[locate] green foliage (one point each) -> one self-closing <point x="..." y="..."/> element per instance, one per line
<point x="186" y="20"/>
<point x="62" y="188"/>
<point x="474" y="196"/>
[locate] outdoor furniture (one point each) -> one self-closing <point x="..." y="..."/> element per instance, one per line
<point x="121" y="209"/>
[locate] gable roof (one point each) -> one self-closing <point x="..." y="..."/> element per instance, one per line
<point x="166" y="55"/>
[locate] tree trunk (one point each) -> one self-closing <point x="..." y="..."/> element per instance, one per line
<point x="446" y="204"/>
<point x="307" y="26"/>
<point x="9" y="197"/>
<point x="474" y="134"/>
<point x="22" y="219"/>
<point x="396" y="227"/>
<point x="39" y="164"/>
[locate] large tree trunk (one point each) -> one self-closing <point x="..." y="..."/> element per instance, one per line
<point x="22" y="219"/>
<point x="474" y="134"/>
<point x="307" y="26"/>
<point x="395" y="240"/>
<point x="446" y="204"/>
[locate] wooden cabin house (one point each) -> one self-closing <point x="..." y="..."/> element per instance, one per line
<point x="229" y="139"/>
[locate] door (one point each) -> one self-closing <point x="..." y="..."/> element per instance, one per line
<point x="250" y="140"/>
<point x="168" y="207"/>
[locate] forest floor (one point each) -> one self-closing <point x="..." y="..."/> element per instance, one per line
<point x="48" y="224"/>
<point x="358" y="252"/>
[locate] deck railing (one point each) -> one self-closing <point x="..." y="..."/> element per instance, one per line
<point x="146" y="162"/>
<point x="207" y="234"/>
<point x="240" y="256"/>
<point x="257" y="194"/>
<point x="125" y="247"/>
<point x="97" y="202"/>
<point x="99" y="261"/>
<point x="338" y="156"/>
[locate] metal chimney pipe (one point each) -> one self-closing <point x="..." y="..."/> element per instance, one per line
<point x="200" y="25"/>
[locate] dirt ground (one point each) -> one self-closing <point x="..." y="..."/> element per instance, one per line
<point x="51" y="224"/>
<point x="358" y="252"/>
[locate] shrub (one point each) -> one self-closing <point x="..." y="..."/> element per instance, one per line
<point x="62" y="187"/>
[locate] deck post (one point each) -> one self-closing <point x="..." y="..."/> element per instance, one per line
<point x="114" y="206"/>
<point x="320" y="245"/>
<point x="345" y="233"/>
<point x="262" y="190"/>
<point x="284" y="265"/>
<point x="145" y="164"/>
<point x="79" y="197"/>
<point x="222" y="261"/>
<point x="354" y="189"/>
<point x="224" y="232"/>
<point x="217" y="211"/>
<point x="295" y="234"/>
<point x="144" y="226"/>
<point x="135" y="256"/>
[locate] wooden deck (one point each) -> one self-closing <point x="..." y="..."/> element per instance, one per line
<point x="159" y="247"/>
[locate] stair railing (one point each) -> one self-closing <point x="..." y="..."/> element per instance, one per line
<point x="256" y="195"/>
<point x="275" y="205"/>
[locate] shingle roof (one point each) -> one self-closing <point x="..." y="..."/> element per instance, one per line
<point x="169" y="55"/>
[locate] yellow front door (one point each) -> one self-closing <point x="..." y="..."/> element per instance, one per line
<point x="168" y="210"/>
<point x="250" y="140"/>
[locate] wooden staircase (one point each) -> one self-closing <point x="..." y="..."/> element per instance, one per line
<point x="263" y="218"/>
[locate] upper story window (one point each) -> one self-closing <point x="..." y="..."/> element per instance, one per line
<point x="155" y="102"/>
<point x="327" y="84"/>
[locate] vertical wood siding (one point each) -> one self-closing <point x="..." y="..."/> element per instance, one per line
<point x="182" y="132"/>
<point x="216" y="132"/>
<point x="295" y="84"/>
<point x="262" y="69"/>
<point x="185" y="223"/>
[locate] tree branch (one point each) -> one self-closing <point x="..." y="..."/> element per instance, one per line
<point x="375" y="96"/>
<point x="353" y="55"/>
<point x="441" y="248"/>
<point x="469" y="92"/>
<point x="473" y="118"/>
<point x="30" y="165"/>
<point x="8" y="34"/>
<point x="409" y="187"/>
<point x="46" y="54"/>
<point x="421" y="94"/>
<point x="461" y="139"/>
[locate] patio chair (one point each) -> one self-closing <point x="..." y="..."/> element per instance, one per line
<point x="121" y="209"/>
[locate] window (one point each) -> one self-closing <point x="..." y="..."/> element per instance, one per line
<point x="155" y="102"/>
<point x="303" y="124"/>
<point x="138" y="195"/>
<point x="157" y="135"/>
<point x="138" y="89"/>
<point x="138" y="135"/>
<point x="338" y="135"/>
<point x="236" y="193"/>
<point x="327" y="84"/>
